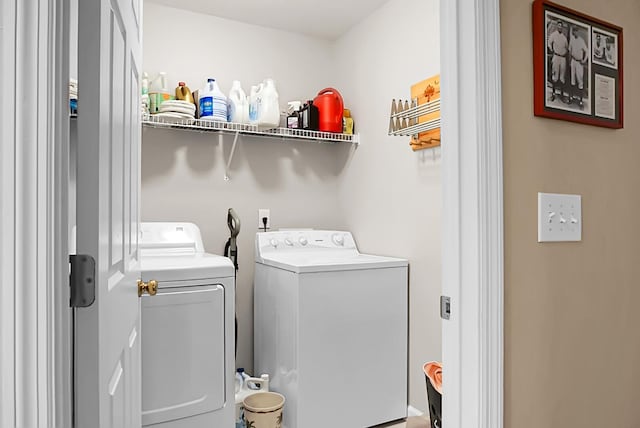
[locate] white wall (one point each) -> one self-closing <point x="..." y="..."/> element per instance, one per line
<point x="391" y="195"/>
<point x="386" y="194"/>
<point x="182" y="172"/>
<point x="192" y="47"/>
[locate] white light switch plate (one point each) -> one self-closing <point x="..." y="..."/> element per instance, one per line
<point x="559" y="217"/>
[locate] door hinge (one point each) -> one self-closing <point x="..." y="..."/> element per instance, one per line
<point x="445" y="307"/>
<point x="82" y="280"/>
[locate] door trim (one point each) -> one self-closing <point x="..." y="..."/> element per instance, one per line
<point x="34" y="367"/>
<point x="8" y="232"/>
<point x="473" y="261"/>
<point x="62" y="313"/>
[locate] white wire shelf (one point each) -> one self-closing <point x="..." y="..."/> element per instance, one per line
<point x="250" y="130"/>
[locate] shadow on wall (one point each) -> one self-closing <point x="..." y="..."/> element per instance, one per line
<point x="164" y="145"/>
<point x="265" y="159"/>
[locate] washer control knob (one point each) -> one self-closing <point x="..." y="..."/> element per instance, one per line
<point x="303" y="241"/>
<point x="338" y="239"/>
<point x="274" y="243"/>
<point x="288" y="241"/>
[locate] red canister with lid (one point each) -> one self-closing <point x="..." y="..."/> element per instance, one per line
<point x="330" y="110"/>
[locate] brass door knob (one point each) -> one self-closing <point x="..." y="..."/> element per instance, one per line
<point x="151" y="287"/>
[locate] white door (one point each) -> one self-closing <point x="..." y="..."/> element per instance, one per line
<point x="107" y="333"/>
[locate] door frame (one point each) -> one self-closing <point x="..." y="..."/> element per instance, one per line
<point x="35" y="362"/>
<point x="472" y="238"/>
<point x="35" y="320"/>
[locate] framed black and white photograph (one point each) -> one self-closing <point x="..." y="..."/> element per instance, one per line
<point x="605" y="48"/>
<point x="577" y="66"/>
<point x="568" y="64"/>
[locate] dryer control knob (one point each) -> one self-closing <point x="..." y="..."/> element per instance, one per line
<point x="274" y="243"/>
<point x="303" y="241"/>
<point x="338" y="239"/>
<point x="288" y="242"/>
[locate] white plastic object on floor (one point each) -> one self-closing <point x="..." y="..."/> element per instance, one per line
<point x="250" y="385"/>
<point x="239" y="381"/>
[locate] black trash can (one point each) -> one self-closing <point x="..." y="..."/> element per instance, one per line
<point x="433" y="376"/>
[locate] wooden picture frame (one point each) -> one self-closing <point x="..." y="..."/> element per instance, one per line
<point x="578" y="66"/>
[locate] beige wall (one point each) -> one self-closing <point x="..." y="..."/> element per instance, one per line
<point x="572" y="341"/>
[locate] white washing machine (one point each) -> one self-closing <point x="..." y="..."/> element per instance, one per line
<point x="187" y="332"/>
<point x="331" y="328"/>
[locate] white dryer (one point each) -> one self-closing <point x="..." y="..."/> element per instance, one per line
<point x="187" y="332"/>
<point x="331" y="328"/>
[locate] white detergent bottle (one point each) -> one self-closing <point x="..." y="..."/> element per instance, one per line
<point x="206" y="101"/>
<point x="237" y="104"/>
<point x="159" y="92"/>
<point x="219" y="103"/>
<point x="269" y="107"/>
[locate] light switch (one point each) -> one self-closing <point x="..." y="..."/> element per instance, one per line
<point x="559" y="217"/>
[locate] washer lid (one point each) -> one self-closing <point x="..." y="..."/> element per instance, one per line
<point x="182" y="267"/>
<point x="330" y="261"/>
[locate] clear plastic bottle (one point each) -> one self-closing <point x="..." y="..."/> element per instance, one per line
<point x="254" y="103"/>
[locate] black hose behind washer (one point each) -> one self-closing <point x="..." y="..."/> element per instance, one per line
<point x="231" y="251"/>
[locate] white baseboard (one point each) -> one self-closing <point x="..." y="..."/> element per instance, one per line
<point x="412" y="411"/>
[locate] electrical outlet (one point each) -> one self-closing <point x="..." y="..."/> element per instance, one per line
<point x="262" y="213"/>
<point x="559" y="217"/>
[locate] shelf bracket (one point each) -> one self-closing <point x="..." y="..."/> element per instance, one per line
<point x="233" y="150"/>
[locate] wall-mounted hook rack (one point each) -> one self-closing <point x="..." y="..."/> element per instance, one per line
<point x="421" y="120"/>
